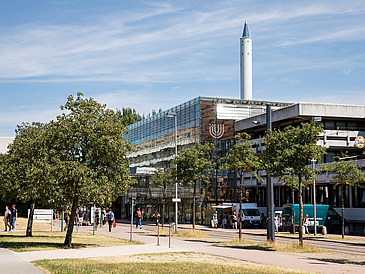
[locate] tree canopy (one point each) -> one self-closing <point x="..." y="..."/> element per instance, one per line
<point x="289" y="151"/>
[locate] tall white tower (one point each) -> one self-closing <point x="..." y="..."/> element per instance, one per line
<point x="246" y="64"/>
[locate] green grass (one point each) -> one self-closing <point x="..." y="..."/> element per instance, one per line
<point x="18" y="242"/>
<point x="176" y="263"/>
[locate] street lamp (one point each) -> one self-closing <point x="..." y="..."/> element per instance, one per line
<point x="170" y="115"/>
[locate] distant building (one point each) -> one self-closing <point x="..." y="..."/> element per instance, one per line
<point x="342" y="125"/>
<point x="4" y="142"/>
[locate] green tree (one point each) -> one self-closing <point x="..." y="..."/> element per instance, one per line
<point x="346" y="173"/>
<point x="241" y="159"/>
<point x="28" y="169"/>
<point x="290" y="151"/>
<point x="193" y="165"/>
<point x="87" y="153"/>
<point x="130" y="116"/>
<point x="163" y="178"/>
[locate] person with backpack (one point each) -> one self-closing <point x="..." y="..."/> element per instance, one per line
<point x="110" y="217"/>
<point x="7" y="218"/>
<point x="139" y="219"/>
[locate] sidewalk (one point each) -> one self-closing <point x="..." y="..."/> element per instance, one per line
<point x="289" y="260"/>
<point x="10" y="263"/>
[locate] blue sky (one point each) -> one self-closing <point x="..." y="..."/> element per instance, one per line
<point x="157" y="54"/>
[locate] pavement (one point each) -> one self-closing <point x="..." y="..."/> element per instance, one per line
<point x="22" y="260"/>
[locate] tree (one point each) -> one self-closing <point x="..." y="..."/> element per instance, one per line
<point x="163" y="178"/>
<point x="345" y="173"/>
<point x="290" y="151"/>
<point x="87" y="153"/>
<point x="241" y="159"/>
<point x="193" y="164"/>
<point x="130" y="116"/>
<point x="28" y="169"/>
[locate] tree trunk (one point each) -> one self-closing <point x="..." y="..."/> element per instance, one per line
<point x="194" y="206"/>
<point x="293" y="220"/>
<point x="70" y="228"/>
<point x="343" y="211"/>
<point x="300" y="212"/>
<point x="30" y="219"/>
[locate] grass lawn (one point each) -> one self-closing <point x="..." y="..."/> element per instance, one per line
<point x="17" y="241"/>
<point x="159" y="263"/>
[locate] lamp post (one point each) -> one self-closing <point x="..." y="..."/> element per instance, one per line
<point x="269" y="187"/>
<point x="314" y="200"/>
<point x="174" y="114"/>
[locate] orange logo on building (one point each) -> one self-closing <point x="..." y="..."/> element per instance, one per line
<point x="360" y="141"/>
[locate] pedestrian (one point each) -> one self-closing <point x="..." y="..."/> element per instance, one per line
<point x="276" y="221"/>
<point x="234" y="221"/>
<point x="157" y="217"/>
<point x="103" y="217"/>
<point x="68" y="217"/>
<point x="7" y="218"/>
<point x="139" y="219"/>
<point x="215" y="219"/>
<point x="81" y="216"/>
<point x="14" y="215"/>
<point x="306" y="223"/>
<point x="96" y="218"/>
<point x="110" y="217"/>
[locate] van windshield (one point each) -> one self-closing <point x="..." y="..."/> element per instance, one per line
<point x="251" y="212"/>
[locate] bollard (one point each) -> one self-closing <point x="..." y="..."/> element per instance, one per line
<point x="324" y="230"/>
<point x="170" y="237"/>
<point x="158" y="234"/>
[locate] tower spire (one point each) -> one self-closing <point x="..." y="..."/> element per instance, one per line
<point x="246" y="64"/>
<point x="246" y="33"/>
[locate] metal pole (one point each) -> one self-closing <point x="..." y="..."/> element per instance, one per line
<point x="314" y="201"/>
<point x="158" y="234"/>
<point x="132" y="204"/>
<point x="269" y="187"/>
<point x="170" y="236"/>
<point x="176" y="217"/>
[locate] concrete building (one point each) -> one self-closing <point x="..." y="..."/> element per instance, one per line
<point x="342" y="125"/>
<point x="200" y="120"/>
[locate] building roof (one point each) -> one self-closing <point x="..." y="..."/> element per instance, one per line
<point x="246" y="33"/>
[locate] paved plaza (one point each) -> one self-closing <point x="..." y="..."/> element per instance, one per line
<point x="19" y="262"/>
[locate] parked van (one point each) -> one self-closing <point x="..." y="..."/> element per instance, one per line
<point x="251" y="216"/>
<point x="325" y="216"/>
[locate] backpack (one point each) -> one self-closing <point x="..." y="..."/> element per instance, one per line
<point x="110" y="215"/>
<point x="139" y="214"/>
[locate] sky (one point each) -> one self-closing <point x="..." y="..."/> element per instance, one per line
<point x="149" y="55"/>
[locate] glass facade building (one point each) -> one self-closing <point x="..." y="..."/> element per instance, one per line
<point x="199" y="120"/>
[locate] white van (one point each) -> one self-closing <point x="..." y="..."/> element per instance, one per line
<point x="251" y="216"/>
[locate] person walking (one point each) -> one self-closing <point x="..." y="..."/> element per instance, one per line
<point x="7" y="218"/>
<point x="14" y="215"/>
<point x="103" y="217"/>
<point x="215" y="219"/>
<point x="157" y="217"/>
<point x="306" y="223"/>
<point x="110" y="217"/>
<point x="276" y="220"/>
<point x="139" y="219"/>
<point x="234" y="221"/>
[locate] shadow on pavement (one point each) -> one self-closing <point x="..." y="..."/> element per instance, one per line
<point x="339" y="261"/>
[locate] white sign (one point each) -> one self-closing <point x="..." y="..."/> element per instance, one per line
<point x="176" y="200"/>
<point x="42" y="216"/>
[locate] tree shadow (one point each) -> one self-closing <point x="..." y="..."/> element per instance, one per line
<point x="339" y="261"/>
